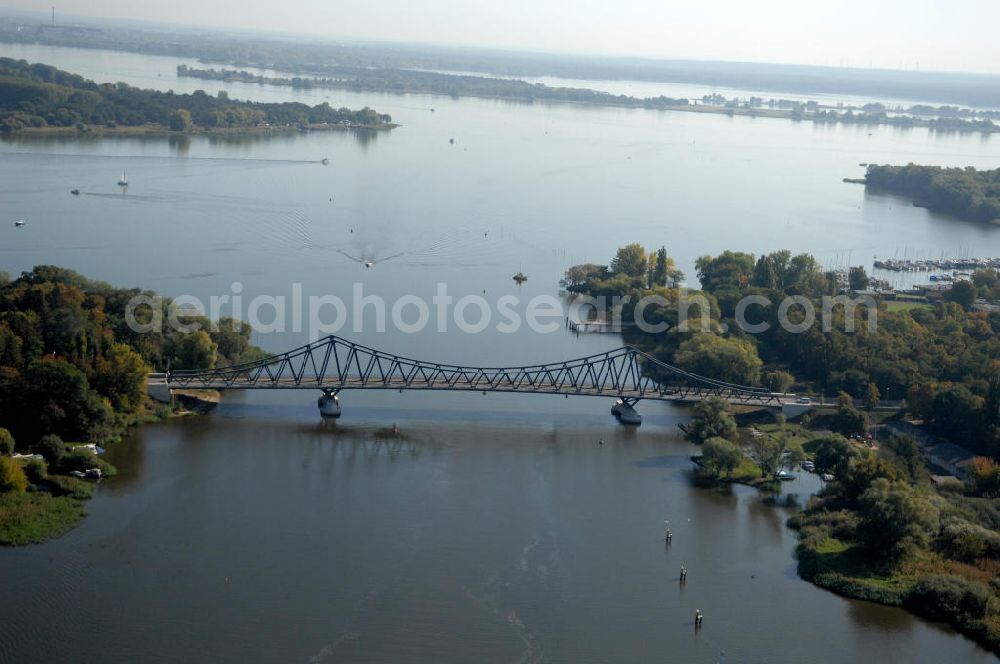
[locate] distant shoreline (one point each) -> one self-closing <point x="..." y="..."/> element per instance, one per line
<point x="161" y="130"/>
<point x="428" y="83"/>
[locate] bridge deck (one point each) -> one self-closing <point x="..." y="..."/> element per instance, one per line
<point x="666" y="394"/>
<point x="334" y="364"/>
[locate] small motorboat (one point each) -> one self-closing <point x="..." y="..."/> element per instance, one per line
<point x="75" y="192"/>
<point x="19" y="223"/>
<point x="785" y="476"/>
<point x="520" y="277"/>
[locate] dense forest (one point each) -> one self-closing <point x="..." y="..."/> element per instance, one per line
<point x="945" y="359"/>
<point x="964" y="192"/>
<point x="37" y="96"/>
<point x="72" y="379"/>
<point x="70" y="365"/>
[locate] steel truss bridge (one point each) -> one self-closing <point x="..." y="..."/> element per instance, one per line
<point x="333" y="364"/>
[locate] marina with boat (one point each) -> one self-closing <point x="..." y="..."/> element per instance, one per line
<point x="929" y="265"/>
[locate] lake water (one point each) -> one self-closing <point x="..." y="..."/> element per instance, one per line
<point x="496" y="527"/>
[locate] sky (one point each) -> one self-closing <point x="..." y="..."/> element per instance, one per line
<point x="949" y="35"/>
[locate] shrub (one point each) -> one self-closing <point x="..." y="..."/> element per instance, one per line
<point x="6" y="442"/>
<point x="968" y="542"/>
<point x="83" y="460"/>
<point x="51" y="447"/>
<point x="948" y="598"/>
<point x="36" y="471"/>
<point x="720" y="456"/>
<point x="12" y="476"/>
<point x="896" y="520"/>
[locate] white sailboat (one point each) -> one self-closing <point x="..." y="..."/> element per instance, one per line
<point x="123" y="182"/>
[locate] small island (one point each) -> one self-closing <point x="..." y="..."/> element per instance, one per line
<point x="966" y="193"/>
<point x="40" y="99"/>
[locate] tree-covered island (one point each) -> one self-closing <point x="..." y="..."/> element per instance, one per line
<point x="38" y="98"/>
<point x="966" y="193"/>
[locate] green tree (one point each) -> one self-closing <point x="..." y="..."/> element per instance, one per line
<point x="720" y="456"/>
<point x="872" y="397"/>
<point x="711" y="420"/>
<point x="579" y="277"/>
<point x="12" y="477"/>
<point x="180" y="120"/>
<point x="6" y="442"/>
<point x="728" y="271"/>
<point x="773" y="452"/>
<point x="60" y="400"/>
<point x="803" y="275"/>
<point x="721" y="358"/>
<point x="897" y="520"/>
<point x="956" y="411"/>
<point x="864" y="470"/>
<point x="849" y="421"/>
<point x="195" y="351"/>
<point x="51" y="447"/>
<point x="962" y="293"/>
<point x="121" y="377"/>
<point x="920" y="399"/>
<point x="764" y="273"/>
<point x="833" y="454"/>
<point x="630" y="260"/>
<point x="857" y="278"/>
<point x="778" y="381"/>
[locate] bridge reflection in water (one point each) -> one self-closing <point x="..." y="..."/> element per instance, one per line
<point x="333" y="364"/>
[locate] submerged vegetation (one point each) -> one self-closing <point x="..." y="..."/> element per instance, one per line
<point x="37" y="97"/>
<point x="71" y="369"/>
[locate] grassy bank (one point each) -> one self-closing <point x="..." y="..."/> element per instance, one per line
<point x="930" y="586"/>
<point x="40" y="514"/>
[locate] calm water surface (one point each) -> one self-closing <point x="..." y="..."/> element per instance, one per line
<point x="496" y="528"/>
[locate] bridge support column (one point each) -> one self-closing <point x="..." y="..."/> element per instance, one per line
<point x="329" y="404"/>
<point x="624" y="410"/>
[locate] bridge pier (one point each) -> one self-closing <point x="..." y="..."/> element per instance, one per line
<point x="624" y="411"/>
<point x="329" y="404"/>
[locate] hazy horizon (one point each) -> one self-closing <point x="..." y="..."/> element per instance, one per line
<point x="915" y="35"/>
